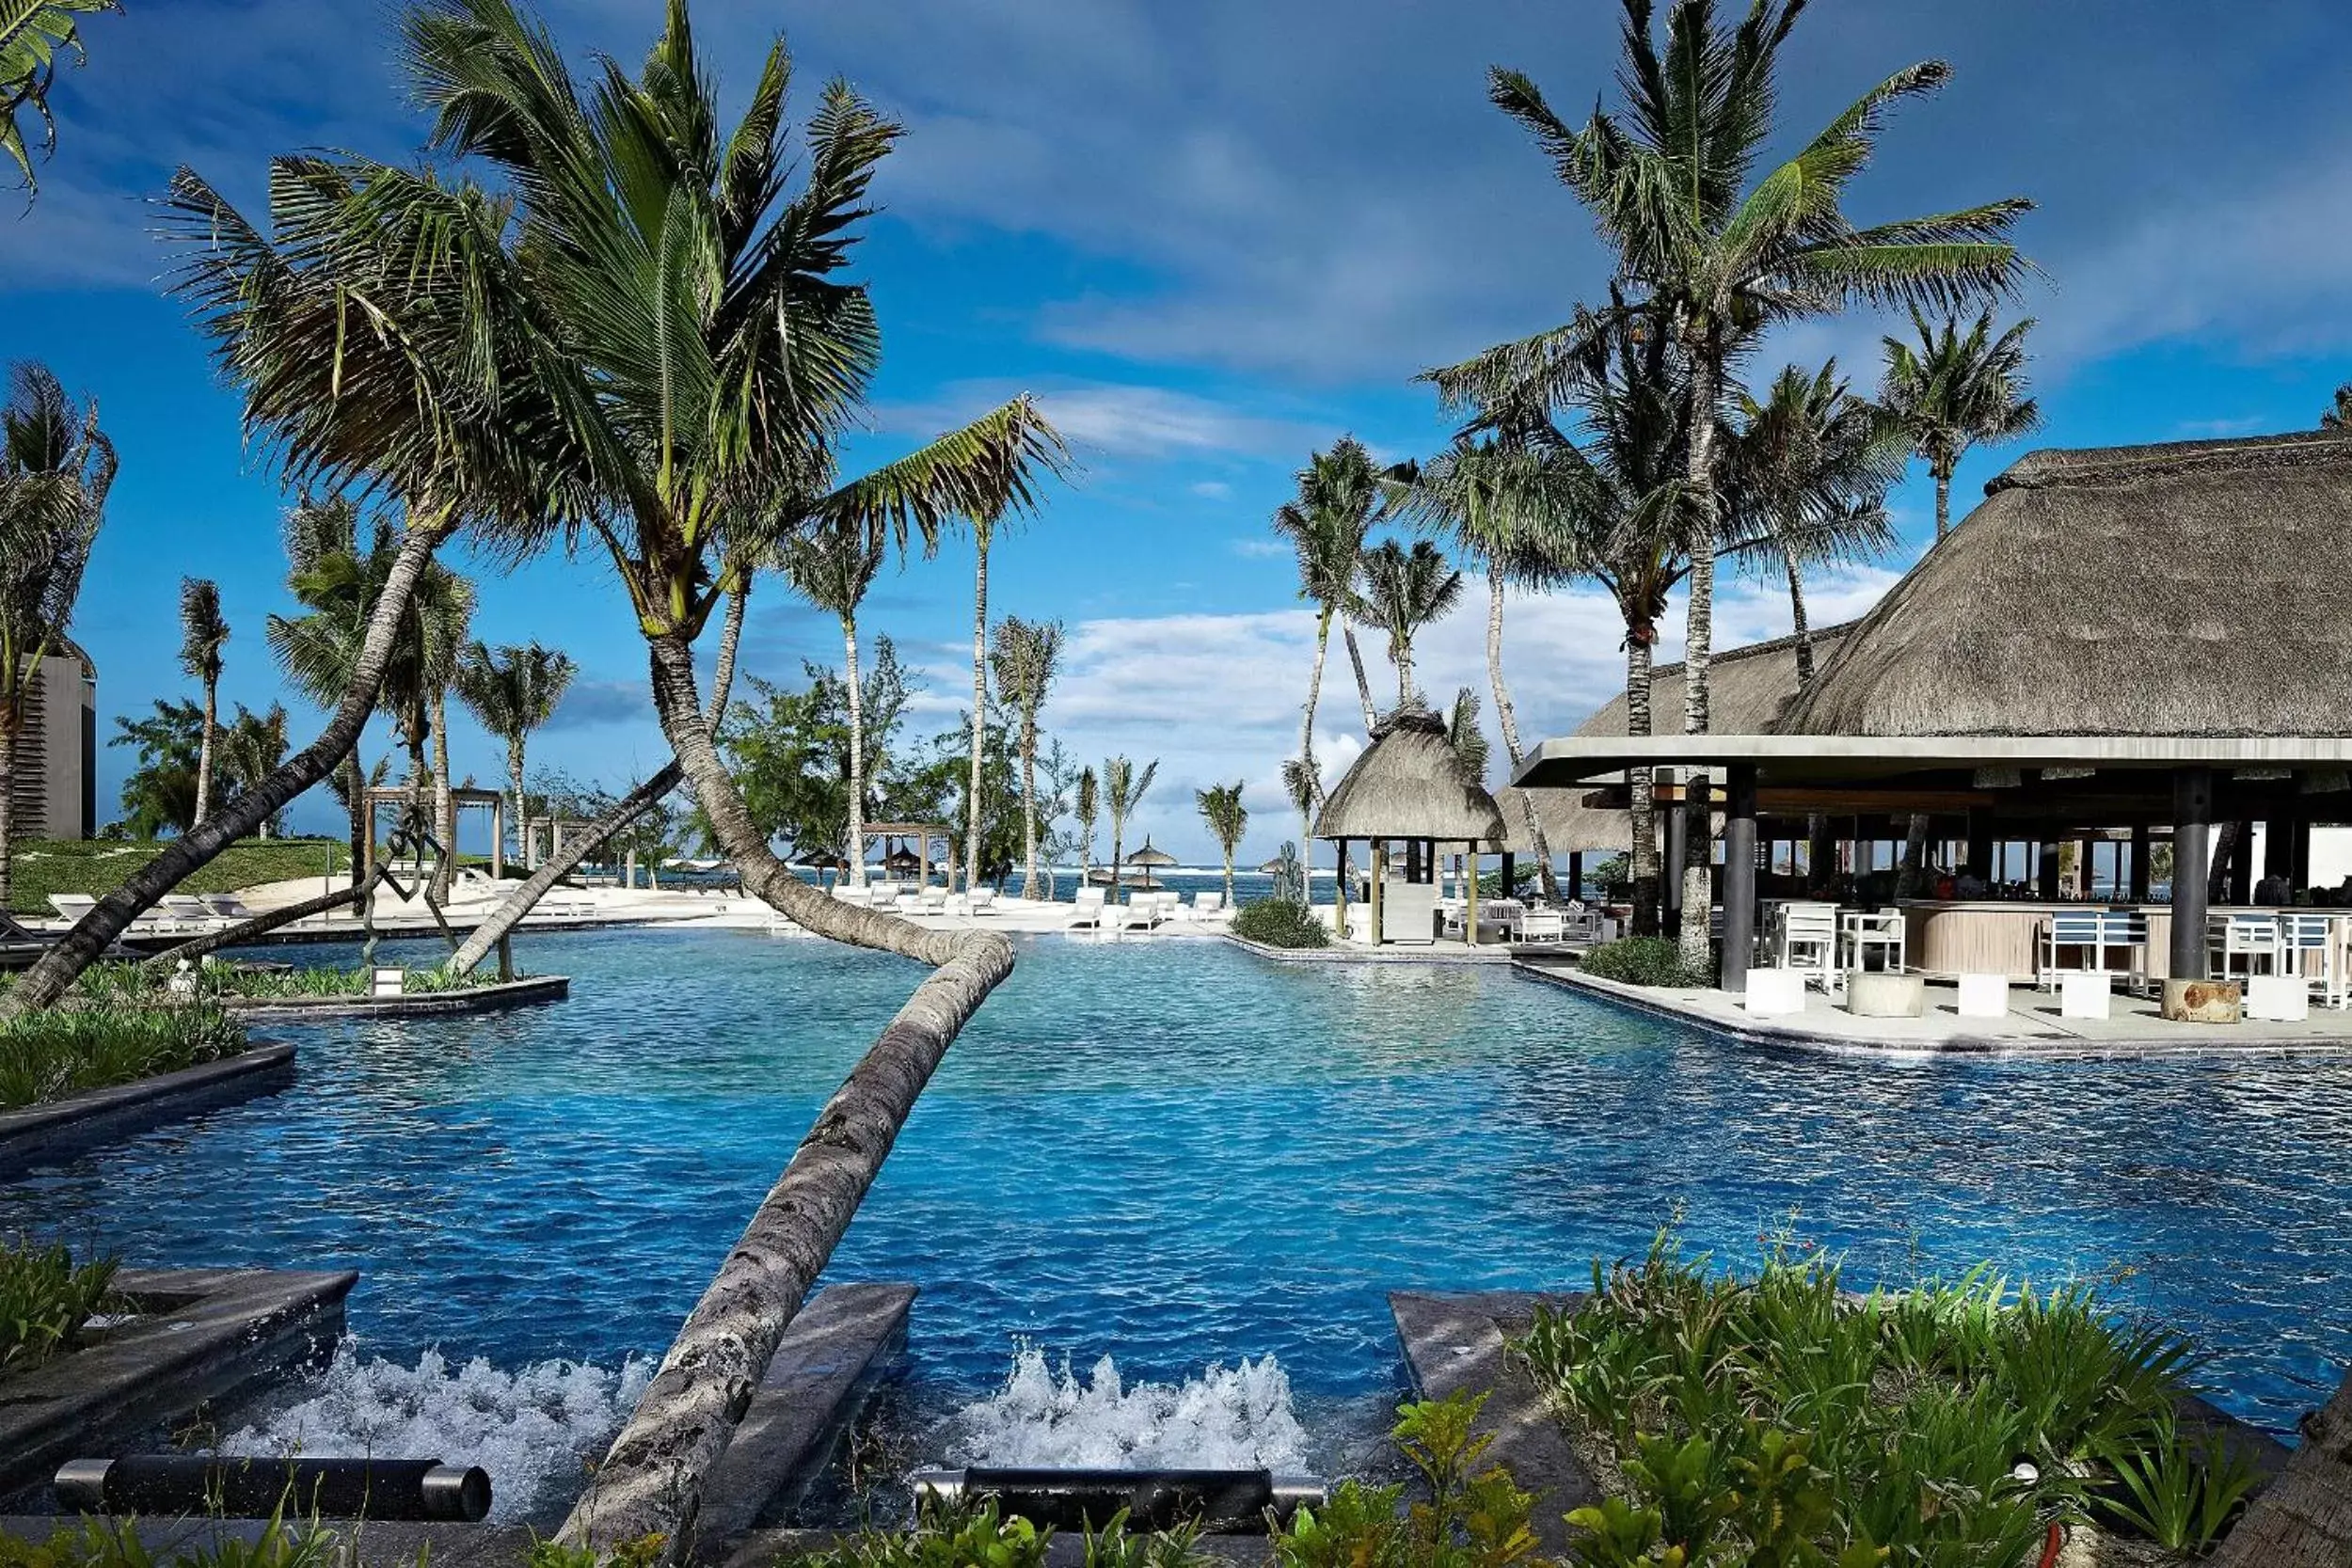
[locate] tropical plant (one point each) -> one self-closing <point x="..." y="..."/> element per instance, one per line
<point x="1123" y="789"/>
<point x="1953" y="390"/>
<point x="1463" y="734"/>
<point x="1712" y="256"/>
<point x="2339" y="415"/>
<point x="55" y="468"/>
<point x="160" y="792"/>
<point x="513" y="690"/>
<point x="250" y="749"/>
<point x="1339" y="497"/>
<point x="1509" y="504"/>
<point x="1221" y="808"/>
<point x="33" y="34"/>
<point x="1026" y="653"/>
<point x="46" y="1300"/>
<point x="1281" y="920"/>
<point x="1809" y="468"/>
<point x="47" y="1055"/>
<point x="984" y="522"/>
<point x="1405" y="591"/>
<point x="203" y="632"/>
<point x="1642" y="961"/>
<point x="1087" y="810"/>
<point x="831" y="567"/>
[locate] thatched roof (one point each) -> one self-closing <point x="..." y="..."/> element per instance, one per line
<point x="2196" y="588"/>
<point x="1570" y="827"/>
<point x="1746" y="687"/>
<point x="1409" y="783"/>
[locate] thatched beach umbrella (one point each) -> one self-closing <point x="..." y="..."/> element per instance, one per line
<point x="822" y="860"/>
<point x="1409" y="786"/>
<point x="1147" y="858"/>
<point x="901" y="861"/>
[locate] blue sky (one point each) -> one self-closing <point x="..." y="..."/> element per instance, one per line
<point x="1211" y="236"/>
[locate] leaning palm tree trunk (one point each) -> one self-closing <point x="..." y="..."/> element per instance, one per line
<point x="651" y="1482"/>
<point x="1307" y="736"/>
<point x="262" y="925"/>
<point x="979" y="716"/>
<point x="58" y="969"/>
<point x="444" y="804"/>
<point x="1364" y="687"/>
<point x="1507" y="720"/>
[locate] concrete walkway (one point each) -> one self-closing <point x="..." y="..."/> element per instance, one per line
<point x="2033" y="1027"/>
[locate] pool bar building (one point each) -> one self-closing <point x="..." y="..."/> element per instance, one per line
<point x="2143" y="650"/>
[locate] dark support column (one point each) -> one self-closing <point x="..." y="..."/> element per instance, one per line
<point x="2139" y="863"/>
<point x="1738" y="876"/>
<point x="2192" y="819"/>
<point x="2242" y="865"/>
<point x="2278" y="848"/>
<point x="1576" y="873"/>
<point x="1510" y="871"/>
<point x="1980" y="844"/>
<point x="2300" y="851"/>
<point x="2046" y="872"/>
<point x="1670" y="864"/>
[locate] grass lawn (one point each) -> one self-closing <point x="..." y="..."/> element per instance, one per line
<point x="95" y="867"/>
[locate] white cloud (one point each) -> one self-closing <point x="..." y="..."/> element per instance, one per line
<point x="1214" y="489"/>
<point x="1261" y="550"/>
<point x="1119" y="419"/>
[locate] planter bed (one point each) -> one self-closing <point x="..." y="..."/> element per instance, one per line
<point x="474" y="999"/>
<point x="198" y="1335"/>
<point x="64" y="1128"/>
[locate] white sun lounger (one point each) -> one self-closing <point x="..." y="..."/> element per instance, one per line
<point x="1090" y="911"/>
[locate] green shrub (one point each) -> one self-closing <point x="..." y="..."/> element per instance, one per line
<point x="1780" y="1420"/>
<point x="144" y="985"/>
<point x="60" y="1051"/>
<point x="1643" y="961"/>
<point x="1280" y="923"/>
<point x="45" y="1299"/>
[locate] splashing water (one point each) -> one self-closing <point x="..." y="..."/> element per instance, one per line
<point x="528" y="1428"/>
<point x="1237" y="1418"/>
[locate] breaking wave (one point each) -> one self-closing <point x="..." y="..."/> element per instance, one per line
<point x="1236" y="1418"/>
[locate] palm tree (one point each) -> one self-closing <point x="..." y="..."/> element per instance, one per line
<point x="343" y="566"/>
<point x="1714" y="258"/>
<point x="1954" y="390"/>
<point x="1506" y="503"/>
<point x="55" y="468"/>
<point x="251" y="747"/>
<point x="1808" y="471"/>
<point x="983" y="525"/>
<point x="202" y="633"/>
<point x="1227" y="819"/>
<point x="1404" y="590"/>
<point x="1124" y="790"/>
<point x="1463" y="734"/>
<point x="660" y="314"/>
<point x="1339" y="497"/>
<point x="832" y="566"/>
<point x="33" y="34"/>
<point x="2339" y="415"/>
<point x="1087" y="810"/>
<point x="511" y="691"/>
<point x="1027" y="652"/>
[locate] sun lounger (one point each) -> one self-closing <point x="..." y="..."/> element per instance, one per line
<point x="72" y="905"/>
<point x="1141" y="912"/>
<point x="983" y="900"/>
<point x="910" y="904"/>
<point x="228" y="906"/>
<point x="1090" y="911"/>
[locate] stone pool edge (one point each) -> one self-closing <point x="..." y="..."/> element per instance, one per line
<point x="537" y="990"/>
<point x="1336" y="955"/>
<point x="64" y="1128"/>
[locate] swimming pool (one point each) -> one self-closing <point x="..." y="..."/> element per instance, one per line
<point x="1174" y="1152"/>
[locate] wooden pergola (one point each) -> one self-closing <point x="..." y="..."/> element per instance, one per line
<point x="377" y="797"/>
<point x="922" y="833"/>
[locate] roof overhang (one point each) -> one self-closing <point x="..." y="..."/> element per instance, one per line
<point x="1574" y="760"/>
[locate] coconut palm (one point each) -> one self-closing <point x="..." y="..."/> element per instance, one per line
<point x="1404" y="590"/>
<point x="1809" y="466"/>
<point x="983" y="525"/>
<point x="1953" y="390"/>
<point x="1338" y="500"/>
<point x="1123" y="789"/>
<point x="511" y="690"/>
<point x="1508" y="504"/>
<point x="55" y="468"/>
<point x="1088" y="809"/>
<point x="202" y="634"/>
<point x="832" y="566"/>
<point x="2339" y="415"/>
<point x="34" y="34"/>
<point x="1026" y="653"/>
<point x="1714" y="258"/>
<point x="1227" y="819"/>
<point x="251" y="747"/>
<point x="662" y="316"/>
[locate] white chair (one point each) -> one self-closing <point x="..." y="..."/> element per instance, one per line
<point x="2069" y="931"/>
<point x="957" y="906"/>
<point x="934" y="900"/>
<point x="1583" y="922"/>
<point x="983" y="900"/>
<point x="909" y="904"/>
<point x="2235" y="937"/>
<point x="2308" y="951"/>
<point x="1088" y="911"/>
<point x="1140" y="913"/>
<point x="1543" y="925"/>
<point x="1207" y="906"/>
<point x="72" y="905"/>
<point x="1861" y="933"/>
<point x="1806" y="940"/>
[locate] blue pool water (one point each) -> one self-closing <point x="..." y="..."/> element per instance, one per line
<point x="1176" y="1153"/>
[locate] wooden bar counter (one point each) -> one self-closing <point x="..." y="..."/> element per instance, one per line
<point x="1950" y="938"/>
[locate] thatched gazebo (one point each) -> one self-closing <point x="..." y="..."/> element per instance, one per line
<point x="1409" y="789"/>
